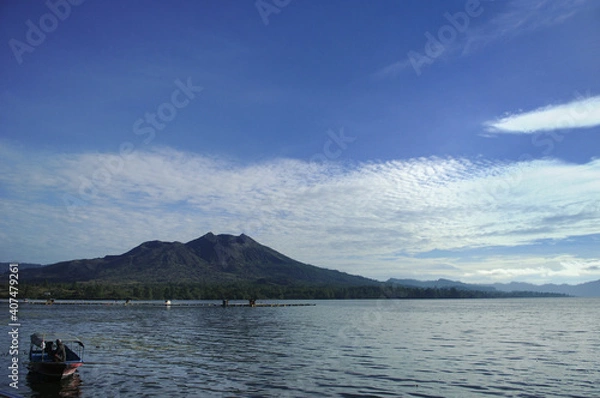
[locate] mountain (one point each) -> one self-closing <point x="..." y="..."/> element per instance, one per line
<point x="210" y="259"/>
<point x="439" y="284"/>
<point x="588" y="289"/>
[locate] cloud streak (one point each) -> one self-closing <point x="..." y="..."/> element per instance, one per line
<point x="370" y="218"/>
<point x="517" y="18"/>
<point x="544" y="269"/>
<point x="580" y="113"/>
<point x="520" y="17"/>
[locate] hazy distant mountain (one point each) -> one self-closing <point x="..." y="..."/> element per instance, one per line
<point x="439" y="284"/>
<point x="589" y="289"/>
<point x="208" y="259"/>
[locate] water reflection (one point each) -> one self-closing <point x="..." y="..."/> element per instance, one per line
<point x="44" y="387"/>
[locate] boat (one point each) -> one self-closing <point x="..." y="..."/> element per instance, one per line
<point x="43" y="362"/>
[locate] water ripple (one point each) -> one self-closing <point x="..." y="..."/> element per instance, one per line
<point x="457" y="348"/>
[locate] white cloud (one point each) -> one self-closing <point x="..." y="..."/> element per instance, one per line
<point x="369" y="219"/>
<point x="581" y="113"/>
<point x="567" y="268"/>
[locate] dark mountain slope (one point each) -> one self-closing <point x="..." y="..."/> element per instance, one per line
<point x="208" y="259"/>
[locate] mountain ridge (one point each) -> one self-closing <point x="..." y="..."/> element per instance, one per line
<point x="221" y="259"/>
<point x="209" y="259"/>
<point x="586" y="289"/>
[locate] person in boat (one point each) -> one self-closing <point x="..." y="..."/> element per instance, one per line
<point x="49" y="349"/>
<point x="60" y="354"/>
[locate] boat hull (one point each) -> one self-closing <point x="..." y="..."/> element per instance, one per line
<point x="56" y="370"/>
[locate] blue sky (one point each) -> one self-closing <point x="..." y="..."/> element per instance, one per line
<point x="420" y="139"/>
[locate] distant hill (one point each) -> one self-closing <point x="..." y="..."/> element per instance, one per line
<point x="588" y="289"/>
<point x="209" y="259"/>
<point x="439" y="284"/>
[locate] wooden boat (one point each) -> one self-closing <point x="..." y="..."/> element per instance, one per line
<point x="43" y="362"/>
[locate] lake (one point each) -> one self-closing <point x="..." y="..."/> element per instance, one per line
<point x="352" y="348"/>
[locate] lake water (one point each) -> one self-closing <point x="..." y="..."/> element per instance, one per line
<point x="362" y="348"/>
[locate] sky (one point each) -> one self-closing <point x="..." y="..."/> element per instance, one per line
<point x="405" y="139"/>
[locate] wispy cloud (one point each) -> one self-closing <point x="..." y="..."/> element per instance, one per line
<point x="580" y="113"/>
<point x="569" y="268"/>
<point x="370" y="218"/>
<point x="392" y="70"/>
<point x="518" y="17"/>
<point x="566" y="268"/>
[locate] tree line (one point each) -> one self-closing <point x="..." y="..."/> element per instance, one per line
<point x="246" y="291"/>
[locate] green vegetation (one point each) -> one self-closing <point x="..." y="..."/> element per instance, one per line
<point x="244" y="291"/>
